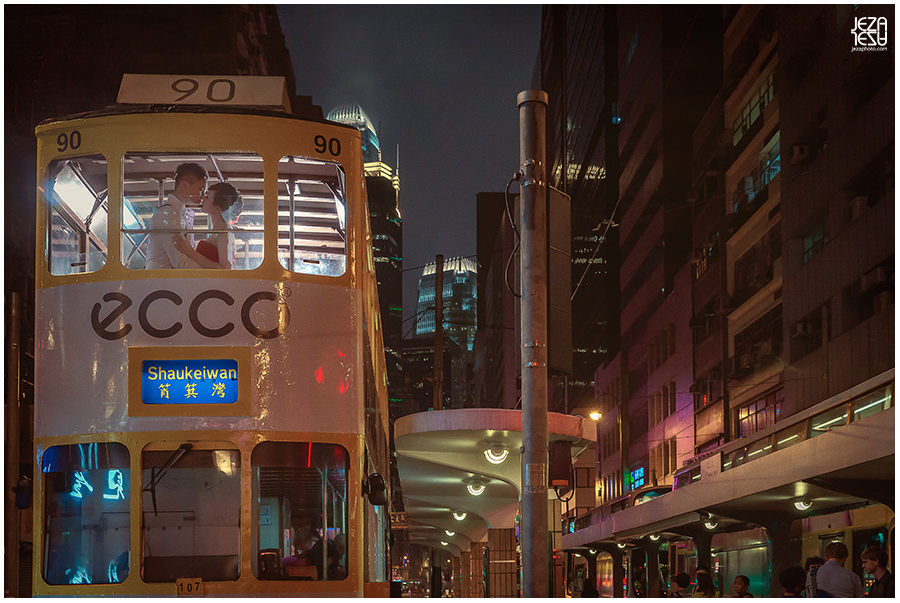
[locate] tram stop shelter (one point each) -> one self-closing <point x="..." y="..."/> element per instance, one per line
<point x="461" y="471"/>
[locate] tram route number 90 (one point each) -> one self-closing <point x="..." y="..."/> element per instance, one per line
<point x="68" y="141"/>
<point x="219" y="90"/>
<point x="333" y="145"/>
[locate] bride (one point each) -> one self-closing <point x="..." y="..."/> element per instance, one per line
<point x="222" y="203"/>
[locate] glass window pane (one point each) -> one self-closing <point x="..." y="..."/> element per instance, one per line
<point x="300" y="499"/>
<point x="828" y="420"/>
<point x="76" y="195"/>
<point x="790" y="436"/>
<point x="87" y="520"/>
<point x="871" y="403"/>
<point x="225" y="230"/>
<point x="191" y="511"/>
<point x="312" y="216"/>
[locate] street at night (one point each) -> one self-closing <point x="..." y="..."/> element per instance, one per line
<point x="449" y="301"/>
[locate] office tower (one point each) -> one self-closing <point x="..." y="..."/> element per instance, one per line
<point x="579" y="71"/>
<point x="353" y="115"/>
<point x="754" y="379"/>
<point x="459" y="297"/>
<point x="497" y="355"/>
<point x="383" y="192"/>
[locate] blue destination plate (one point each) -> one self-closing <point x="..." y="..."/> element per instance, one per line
<point x="209" y="381"/>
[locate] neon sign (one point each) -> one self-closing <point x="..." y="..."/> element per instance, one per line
<point x="637" y="478"/>
<point x="194" y="381"/>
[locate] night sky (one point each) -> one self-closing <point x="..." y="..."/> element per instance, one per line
<point x="441" y="81"/>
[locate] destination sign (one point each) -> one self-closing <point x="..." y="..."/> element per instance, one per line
<point x="190" y="381"/>
<point x="247" y="90"/>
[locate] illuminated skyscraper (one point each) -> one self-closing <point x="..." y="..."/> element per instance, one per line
<point x="353" y="115"/>
<point x="459" y="300"/>
<point x="383" y="192"/>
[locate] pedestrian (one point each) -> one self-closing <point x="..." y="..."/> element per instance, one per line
<point x="741" y="586"/>
<point x="638" y="583"/>
<point x="811" y="563"/>
<point x="589" y="591"/>
<point x="792" y="580"/>
<point x="681" y="586"/>
<point x="832" y="579"/>
<point x="705" y="586"/>
<point x="875" y="560"/>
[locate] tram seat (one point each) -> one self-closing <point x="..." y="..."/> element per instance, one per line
<point x="211" y="568"/>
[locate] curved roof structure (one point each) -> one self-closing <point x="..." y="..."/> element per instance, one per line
<point x="353" y="115"/>
<point x="439" y="452"/>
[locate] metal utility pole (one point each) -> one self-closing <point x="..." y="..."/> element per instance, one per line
<point x="533" y="226"/>
<point x="439" y="332"/>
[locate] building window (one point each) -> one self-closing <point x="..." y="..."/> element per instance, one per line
<point x="760" y="343"/>
<point x="760" y="413"/>
<point x="753" y="109"/>
<point x="814" y="241"/>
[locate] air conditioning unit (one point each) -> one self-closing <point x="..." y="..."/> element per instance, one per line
<point x="857" y="206"/>
<point x="746" y="361"/>
<point x="801" y="329"/>
<point x="801" y="154"/>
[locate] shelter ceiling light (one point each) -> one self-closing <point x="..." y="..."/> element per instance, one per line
<point x="654" y="537"/>
<point x="459" y="515"/>
<point x="621" y="545"/>
<point x="444" y="543"/>
<point x="710" y="525"/>
<point x="449" y="533"/>
<point x="496" y="453"/>
<point x="802" y="505"/>
<point x="593" y="551"/>
<point x="475" y="487"/>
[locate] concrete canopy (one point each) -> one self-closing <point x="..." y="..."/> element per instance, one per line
<point x="439" y="453"/>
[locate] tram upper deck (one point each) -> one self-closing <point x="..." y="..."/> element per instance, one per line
<point x="294" y="304"/>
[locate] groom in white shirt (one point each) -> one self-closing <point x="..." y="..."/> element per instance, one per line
<point x="173" y="216"/>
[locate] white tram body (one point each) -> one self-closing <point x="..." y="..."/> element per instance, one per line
<point x="195" y="426"/>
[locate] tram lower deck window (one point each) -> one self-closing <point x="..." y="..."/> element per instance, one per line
<point x="299" y="493"/>
<point x="191" y="511"/>
<point x="86" y="513"/>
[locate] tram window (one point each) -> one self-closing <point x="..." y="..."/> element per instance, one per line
<point x="75" y="193"/>
<point x="86" y="513"/>
<point x="149" y="179"/>
<point x="300" y="506"/>
<point x="191" y="511"/>
<point x="312" y="216"/>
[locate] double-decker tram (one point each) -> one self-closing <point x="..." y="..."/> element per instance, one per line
<point x="207" y="421"/>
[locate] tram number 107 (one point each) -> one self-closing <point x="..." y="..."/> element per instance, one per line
<point x="189" y="587"/>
